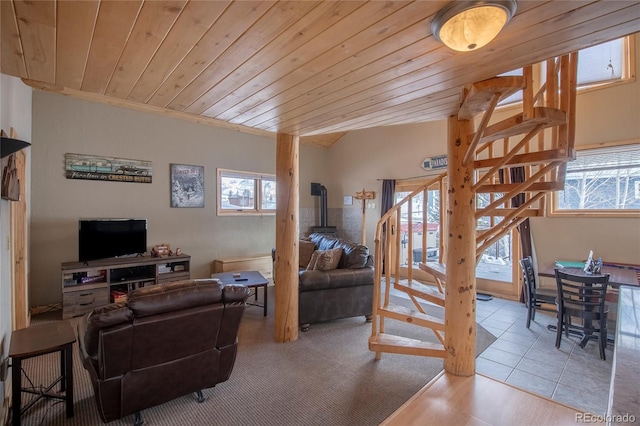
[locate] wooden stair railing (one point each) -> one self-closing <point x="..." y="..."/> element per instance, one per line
<point x="547" y="128"/>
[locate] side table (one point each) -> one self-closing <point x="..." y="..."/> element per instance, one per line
<point x="40" y="340"/>
<point x="251" y="279"/>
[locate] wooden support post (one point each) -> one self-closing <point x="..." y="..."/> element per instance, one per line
<point x="287" y="235"/>
<point x="460" y="296"/>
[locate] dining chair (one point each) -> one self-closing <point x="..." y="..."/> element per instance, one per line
<point x="535" y="296"/>
<point x="583" y="297"/>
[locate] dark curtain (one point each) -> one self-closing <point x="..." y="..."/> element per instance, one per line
<point x="386" y="202"/>
<point x="518" y="175"/>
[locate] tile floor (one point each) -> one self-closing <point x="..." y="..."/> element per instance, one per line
<point x="528" y="358"/>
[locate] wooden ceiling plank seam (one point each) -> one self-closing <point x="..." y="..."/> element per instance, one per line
<point x="393" y="116"/>
<point x="177" y="45"/>
<point x="324" y="128"/>
<point x="297" y="34"/>
<point x="228" y="28"/>
<point x="126" y="43"/>
<point x="329" y="47"/>
<point x="329" y="101"/>
<point x="402" y="113"/>
<point x="12" y="56"/>
<point x="362" y="75"/>
<point x="251" y="113"/>
<point x="250" y="117"/>
<point x="449" y="105"/>
<point x="365" y="49"/>
<point x="446" y="100"/>
<point x="75" y="24"/>
<point x="467" y="75"/>
<point x="111" y="32"/>
<point x="36" y="23"/>
<point x="216" y="78"/>
<point x="40" y="12"/>
<point x="155" y="20"/>
<point x="379" y="91"/>
<point x="470" y="63"/>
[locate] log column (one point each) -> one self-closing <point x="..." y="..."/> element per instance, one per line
<point x="460" y="298"/>
<point x="287" y="235"/>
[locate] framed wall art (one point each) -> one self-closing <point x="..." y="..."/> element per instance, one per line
<point x="187" y="186"/>
<point x="109" y="169"/>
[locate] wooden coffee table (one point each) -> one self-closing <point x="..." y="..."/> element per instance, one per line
<point x="251" y="279"/>
<point x="40" y="340"/>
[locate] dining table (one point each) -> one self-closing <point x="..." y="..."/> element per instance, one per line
<point x="618" y="276"/>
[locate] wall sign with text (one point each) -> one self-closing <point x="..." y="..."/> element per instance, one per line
<point x="108" y="169"/>
<point x="435" y="163"/>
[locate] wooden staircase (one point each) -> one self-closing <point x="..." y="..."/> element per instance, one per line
<point x="516" y="160"/>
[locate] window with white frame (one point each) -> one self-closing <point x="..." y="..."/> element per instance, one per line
<point x="599" y="65"/>
<point x="602" y="180"/>
<point x="241" y="193"/>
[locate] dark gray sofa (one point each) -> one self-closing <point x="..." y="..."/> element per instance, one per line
<point x="346" y="291"/>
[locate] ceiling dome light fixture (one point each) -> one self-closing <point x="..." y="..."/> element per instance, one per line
<point x="469" y="25"/>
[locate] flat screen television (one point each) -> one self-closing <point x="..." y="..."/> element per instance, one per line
<point x="105" y="238"/>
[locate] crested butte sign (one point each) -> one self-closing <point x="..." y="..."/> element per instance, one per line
<point x="435" y="163"/>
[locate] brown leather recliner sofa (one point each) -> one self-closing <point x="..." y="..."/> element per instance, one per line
<point x="346" y="291"/>
<point x="164" y="342"/>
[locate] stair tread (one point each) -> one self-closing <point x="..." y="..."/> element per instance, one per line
<point x="537" y="157"/>
<point x="412" y="316"/>
<point x="506" y="187"/>
<point x="434" y="268"/>
<point x="479" y="96"/>
<point x="518" y="124"/>
<point x="420" y="290"/>
<point x="383" y="342"/>
<point x="530" y="212"/>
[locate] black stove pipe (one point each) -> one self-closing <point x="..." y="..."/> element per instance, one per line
<point x="323" y="206"/>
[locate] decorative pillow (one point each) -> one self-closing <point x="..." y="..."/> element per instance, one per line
<point x="314" y="259"/>
<point x="325" y="260"/>
<point x="306" y="249"/>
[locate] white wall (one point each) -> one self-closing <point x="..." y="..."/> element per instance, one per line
<point x="67" y="125"/>
<point x="363" y="158"/>
<point x="15" y="111"/>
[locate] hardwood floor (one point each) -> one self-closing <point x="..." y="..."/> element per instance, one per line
<point x="481" y="400"/>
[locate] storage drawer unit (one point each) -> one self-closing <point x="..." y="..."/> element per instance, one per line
<point x="82" y="301"/>
<point x="86" y="286"/>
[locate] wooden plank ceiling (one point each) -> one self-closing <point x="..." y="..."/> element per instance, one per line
<point x="312" y="68"/>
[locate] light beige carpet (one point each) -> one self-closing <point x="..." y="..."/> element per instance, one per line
<point x="327" y="377"/>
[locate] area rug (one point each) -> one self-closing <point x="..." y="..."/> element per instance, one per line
<point x="327" y="377"/>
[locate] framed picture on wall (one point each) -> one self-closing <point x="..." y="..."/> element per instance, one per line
<point x="187" y="186"/>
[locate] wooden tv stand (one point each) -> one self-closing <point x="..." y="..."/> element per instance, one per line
<point x="87" y="285"/>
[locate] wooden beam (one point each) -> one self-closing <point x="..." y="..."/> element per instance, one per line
<point x="516" y="189"/>
<point x="522" y="211"/>
<point x="471" y="153"/>
<point x="508" y="156"/>
<point x="520" y="124"/>
<point x="505" y="187"/>
<point x="287" y="236"/>
<point x="460" y="290"/>
<point x="536" y="157"/>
